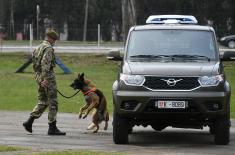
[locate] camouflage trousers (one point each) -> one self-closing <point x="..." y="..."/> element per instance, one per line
<point x="47" y="97"/>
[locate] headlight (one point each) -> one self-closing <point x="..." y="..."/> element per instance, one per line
<point x="207" y="81"/>
<point x="132" y="80"/>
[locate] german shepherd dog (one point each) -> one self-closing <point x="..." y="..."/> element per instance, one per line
<point x="94" y="100"/>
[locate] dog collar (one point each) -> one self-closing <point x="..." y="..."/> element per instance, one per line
<point x="89" y="91"/>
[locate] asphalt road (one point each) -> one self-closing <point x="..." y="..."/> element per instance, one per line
<point x="142" y="141"/>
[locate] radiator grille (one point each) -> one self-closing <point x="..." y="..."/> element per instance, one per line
<point x="171" y="83"/>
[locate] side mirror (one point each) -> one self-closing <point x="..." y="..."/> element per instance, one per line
<point x="228" y="56"/>
<point x="114" y="55"/>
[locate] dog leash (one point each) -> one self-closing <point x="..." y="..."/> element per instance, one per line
<point x="68" y="96"/>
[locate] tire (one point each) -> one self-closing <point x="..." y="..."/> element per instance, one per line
<point x="222" y="132"/>
<point x="130" y="130"/>
<point x="231" y="44"/>
<point x="212" y="129"/>
<point x="120" y="130"/>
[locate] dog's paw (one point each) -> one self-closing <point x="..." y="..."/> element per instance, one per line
<point x="91" y="126"/>
<point x="80" y="116"/>
<point x="106" y="127"/>
<point x="84" y="116"/>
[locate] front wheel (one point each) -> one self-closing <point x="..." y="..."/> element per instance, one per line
<point x="222" y="132"/>
<point x="120" y="129"/>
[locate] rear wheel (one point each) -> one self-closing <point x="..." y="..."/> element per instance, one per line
<point x="212" y="129"/>
<point x="130" y="130"/>
<point x="120" y="129"/>
<point x="222" y="131"/>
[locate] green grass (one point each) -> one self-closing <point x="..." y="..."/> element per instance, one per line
<point x="77" y="153"/>
<point x="230" y="75"/>
<point x="10" y="148"/>
<point x="19" y="92"/>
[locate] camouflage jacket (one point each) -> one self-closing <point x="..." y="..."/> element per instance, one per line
<point x="44" y="61"/>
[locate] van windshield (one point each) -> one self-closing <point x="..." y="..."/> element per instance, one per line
<point x="183" y="44"/>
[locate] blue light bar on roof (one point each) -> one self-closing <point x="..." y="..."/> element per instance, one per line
<point x="171" y="19"/>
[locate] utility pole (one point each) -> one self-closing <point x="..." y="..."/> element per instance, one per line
<point x="12" y="23"/>
<point x="30" y="37"/>
<point x="98" y="35"/>
<point x="85" y="21"/>
<point x="38" y="12"/>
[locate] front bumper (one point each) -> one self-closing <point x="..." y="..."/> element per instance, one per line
<point x="199" y="104"/>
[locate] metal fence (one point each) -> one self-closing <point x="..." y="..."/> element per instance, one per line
<point x="67" y="32"/>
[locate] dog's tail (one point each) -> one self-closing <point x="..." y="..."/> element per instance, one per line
<point x="100" y="94"/>
<point x="102" y="109"/>
<point x="105" y="113"/>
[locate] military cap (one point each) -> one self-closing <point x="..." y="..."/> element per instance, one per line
<point x="52" y="34"/>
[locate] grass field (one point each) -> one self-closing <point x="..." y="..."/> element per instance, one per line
<point x="15" y="150"/>
<point x="78" y="153"/>
<point x="18" y="91"/>
<point x="10" y="148"/>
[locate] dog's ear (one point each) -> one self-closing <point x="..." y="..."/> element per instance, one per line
<point x="81" y="77"/>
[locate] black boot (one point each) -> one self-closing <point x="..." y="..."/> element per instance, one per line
<point x="28" y="124"/>
<point x="53" y="130"/>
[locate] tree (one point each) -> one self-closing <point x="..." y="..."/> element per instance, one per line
<point x="85" y="20"/>
<point x="2" y="12"/>
<point x="114" y="16"/>
<point x="128" y="16"/>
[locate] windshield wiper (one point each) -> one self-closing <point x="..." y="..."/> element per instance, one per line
<point x="173" y="57"/>
<point x="190" y="57"/>
<point x="150" y="56"/>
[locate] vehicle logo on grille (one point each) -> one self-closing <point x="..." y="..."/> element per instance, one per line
<point x="171" y="82"/>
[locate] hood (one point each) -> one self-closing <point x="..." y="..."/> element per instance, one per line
<point x="172" y="68"/>
<point x="227" y="37"/>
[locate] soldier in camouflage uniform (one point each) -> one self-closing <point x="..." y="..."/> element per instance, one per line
<point x="43" y="64"/>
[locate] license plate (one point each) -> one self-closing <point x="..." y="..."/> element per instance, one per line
<point x="170" y="104"/>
